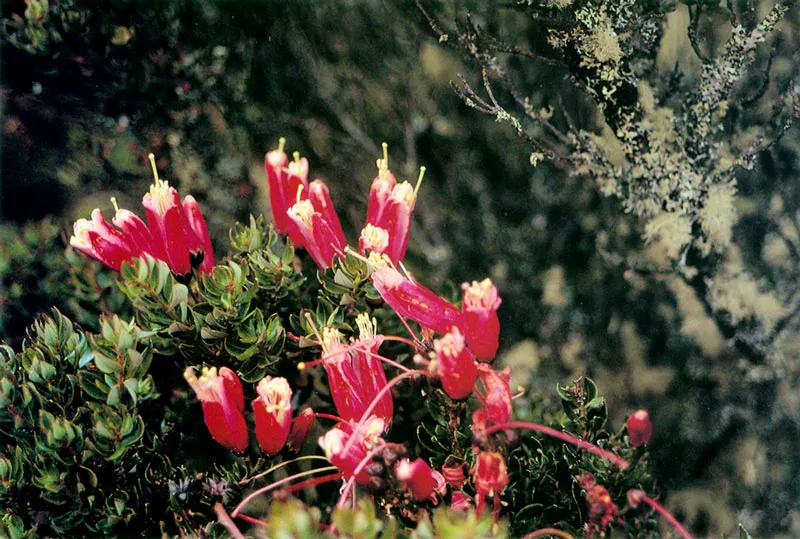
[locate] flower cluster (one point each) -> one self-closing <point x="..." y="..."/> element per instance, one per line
<point x="222" y="397"/>
<point x="456" y="344"/>
<point x="175" y="232"/>
<point x="356" y="377"/>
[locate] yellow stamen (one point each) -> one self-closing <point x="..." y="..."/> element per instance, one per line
<point x="281" y="144"/>
<point x="299" y="192"/>
<point x="419" y="181"/>
<point x="153" y="165"/>
<point x="296" y="156"/>
<point x="385" y="147"/>
<point x="114" y="203"/>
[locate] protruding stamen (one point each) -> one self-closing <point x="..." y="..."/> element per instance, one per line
<point x="299" y="192"/>
<point x="152" y="159"/>
<point x="385" y="147"/>
<point x="419" y="181"/>
<point x="281" y="144"/>
<point x="114" y="203"/>
<point x="296" y="156"/>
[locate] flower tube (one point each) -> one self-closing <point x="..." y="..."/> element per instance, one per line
<point x="481" y="324"/>
<point x="412" y="300"/>
<point x="455" y="365"/>
<point x="273" y="414"/>
<point x="355" y="373"/>
<point x="221" y="395"/>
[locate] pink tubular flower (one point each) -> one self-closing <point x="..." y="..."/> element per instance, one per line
<point x="316" y="222"/>
<point x="490" y="477"/>
<point x="183" y="239"/>
<point x="412" y="300"/>
<point x="640" y="429"/>
<point x="355" y="373"/>
<point x="481" y="325"/>
<point x="273" y="413"/>
<point x="335" y="441"/>
<point x="136" y="233"/>
<point x="284" y="179"/>
<point x="390" y="207"/>
<point x="223" y="405"/>
<point x="301" y="428"/>
<point x="423" y="482"/>
<point x="101" y="241"/>
<point x="497" y="398"/>
<point x="455" y="365"/>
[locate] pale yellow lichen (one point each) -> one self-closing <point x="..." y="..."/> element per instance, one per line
<point x="734" y="290"/>
<point x="603" y="44"/>
<point x="671" y="231"/>
<point x="718" y="216"/>
<point x="696" y="324"/>
<point x="776" y="253"/>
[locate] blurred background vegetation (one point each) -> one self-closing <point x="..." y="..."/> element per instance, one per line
<point x="90" y="88"/>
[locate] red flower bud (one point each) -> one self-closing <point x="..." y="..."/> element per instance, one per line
<point x="640" y="429"/>
<point x="481" y="325"/>
<point x="301" y="428"/>
<point x="223" y="405"/>
<point x="420" y="479"/>
<point x="455" y="365"/>
<point x="273" y="414"/>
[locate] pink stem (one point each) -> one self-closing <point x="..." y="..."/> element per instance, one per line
<point x="251" y="520"/>
<point x="329" y="416"/>
<point x="667" y="516"/>
<point x="619" y="462"/>
<point x="225" y="519"/>
<point x="309" y="483"/>
<point x="274" y="485"/>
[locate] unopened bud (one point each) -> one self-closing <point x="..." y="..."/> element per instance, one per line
<point x="640" y="429"/>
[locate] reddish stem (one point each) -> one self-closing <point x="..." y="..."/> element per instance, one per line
<point x="619" y="462"/>
<point x="309" y="483"/>
<point x="329" y="416"/>
<point x="251" y="520"/>
<point x="548" y="532"/>
<point x="275" y="485"/>
<point x="667" y="516"/>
